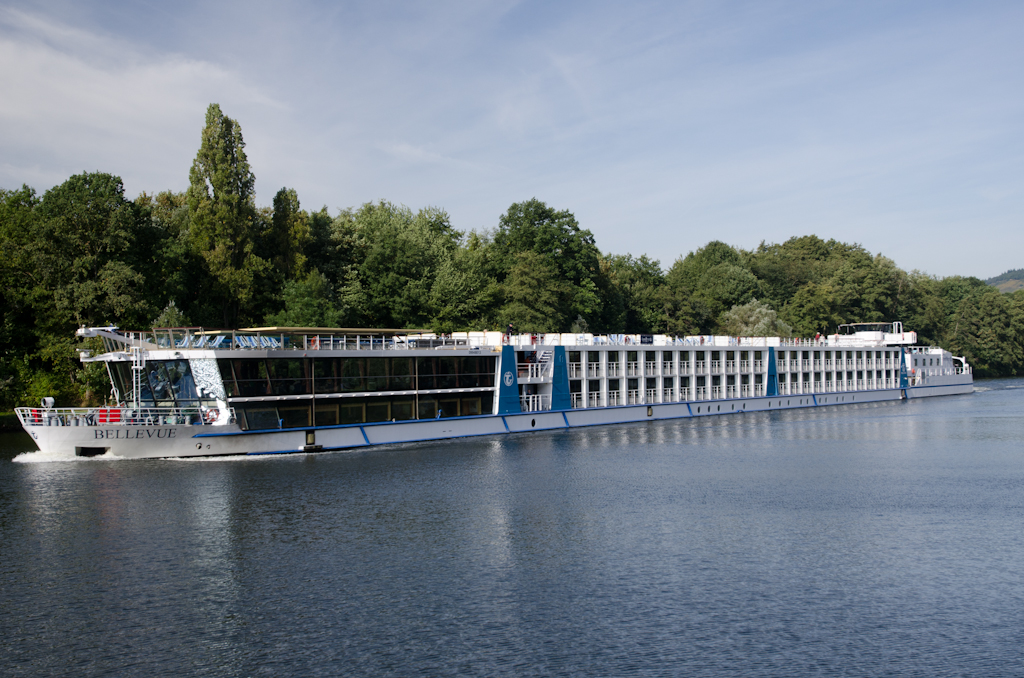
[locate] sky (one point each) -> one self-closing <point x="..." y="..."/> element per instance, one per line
<point x="660" y="125"/>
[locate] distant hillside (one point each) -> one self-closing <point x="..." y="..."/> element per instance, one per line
<point x="1011" y="281"/>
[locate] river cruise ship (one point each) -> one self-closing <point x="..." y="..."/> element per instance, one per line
<point x="179" y="392"/>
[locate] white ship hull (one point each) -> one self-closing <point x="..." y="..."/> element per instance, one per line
<point x="138" y="442"/>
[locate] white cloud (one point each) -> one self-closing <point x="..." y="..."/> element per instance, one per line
<point x="78" y="101"/>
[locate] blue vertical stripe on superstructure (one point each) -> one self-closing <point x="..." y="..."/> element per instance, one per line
<point x="508" y="383"/>
<point x="560" y="381"/>
<point x="772" y="388"/>
<point x="903" y="369"/>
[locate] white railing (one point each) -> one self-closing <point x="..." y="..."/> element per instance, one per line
<point x="700" y="393"/>
<point x="684" y="367"/>
<point x="652" y="395"/>
<point x="576" y="400"/>
<point x="817" y="365"/>
<point x="614" y="370"/>
<point x="614" y="398"/>
<point x="758" y="389"/>
<point x="716" y="365"/>
<point x="594" y="371"/>
<point x="744" y="366"/>
<point x="730" y="391"/>
<point x="805" y="365"/>
<point x="120" y="416"/>
<point x="716" y="392"/>
<point x="650" y="367"/>
<point x="730" y="366"/>
<point x="593" y="400"/>
<point x="744" y="390"/>
<point x="575" y="370"/>
<point x="632" y="369"/>
<point x="817" y="387"/>
<point x="699" y="366"/>
<point x="633" y="397"/>
<point x="537" y="402"/>
<point x="530" y="370"/>
<point x="669" y="395"/>
<point x="668" y="369"/>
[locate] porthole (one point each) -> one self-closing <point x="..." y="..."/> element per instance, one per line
<point x="533" y="422"/>
<point x="733" y="406"/>
<point x="719" y="408"/>
<point x="698" y="410"/>
<point x="744" y="406"/>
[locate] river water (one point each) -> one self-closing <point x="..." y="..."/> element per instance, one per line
<point x="883" y="539"/>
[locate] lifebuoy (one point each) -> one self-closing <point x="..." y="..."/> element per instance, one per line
<point x="315" y="343"/>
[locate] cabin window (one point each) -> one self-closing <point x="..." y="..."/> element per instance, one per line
<point x="288" y="376"/>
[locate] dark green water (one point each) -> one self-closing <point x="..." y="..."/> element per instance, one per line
<point x="870" y="540"/>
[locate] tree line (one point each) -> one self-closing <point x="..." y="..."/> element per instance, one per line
<point x="85" y="254"/>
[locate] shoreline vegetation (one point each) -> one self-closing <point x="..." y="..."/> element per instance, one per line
<point x="84" y="254"/>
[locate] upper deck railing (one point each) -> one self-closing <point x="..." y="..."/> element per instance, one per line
<point x="307" y="339"/>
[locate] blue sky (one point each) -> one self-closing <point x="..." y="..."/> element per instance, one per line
<point x="660" y="125"/>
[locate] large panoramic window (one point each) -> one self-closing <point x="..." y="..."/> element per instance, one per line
<point x="256" y="377"/>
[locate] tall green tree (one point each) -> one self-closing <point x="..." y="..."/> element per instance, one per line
<point x="555" y="236"/>
<point x="288" y="236"/>
<point x="223" y="216"/>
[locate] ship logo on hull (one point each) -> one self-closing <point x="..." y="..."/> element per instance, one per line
<point x="508" y="378"/>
